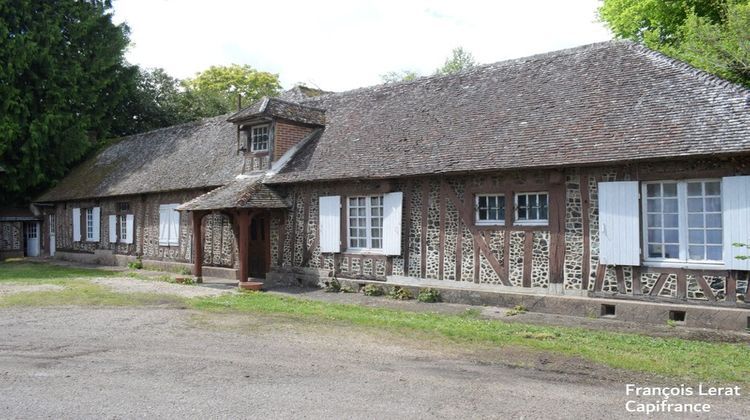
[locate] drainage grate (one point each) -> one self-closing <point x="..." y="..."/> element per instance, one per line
<point x="677" y="316"/>
<point x="608" y="310"/>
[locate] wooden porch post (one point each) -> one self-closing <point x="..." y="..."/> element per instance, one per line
<point x="244" y="226"/>
<point x="198" y="245"/>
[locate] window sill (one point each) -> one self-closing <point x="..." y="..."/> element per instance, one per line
<point x="486" y="224"/>
<point x="684" y="264"/>
<point x="532" y="223"/>
<point x="375" y="252"/>
<point x="166" y="244"/>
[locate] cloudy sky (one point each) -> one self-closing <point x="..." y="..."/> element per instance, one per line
<point x="339" y="45"/>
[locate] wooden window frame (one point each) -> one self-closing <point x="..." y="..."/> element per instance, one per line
<point x="368" y="249"/>
<point x="529" y="222"/>
<point x="252" y="138"/>
<point x="682" y="227"/>
<point x="489" y="222"/>
<point x="88" y="219"/>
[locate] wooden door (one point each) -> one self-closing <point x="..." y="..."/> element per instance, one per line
<point x="32" y="239"/>
<point x="259" y="246"/>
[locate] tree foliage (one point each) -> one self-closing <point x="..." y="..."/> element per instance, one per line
<point x="214" y="91"/>
<point x="713" y="35"/>
<point x="399" y="76"/>
<point x="459" y="60"/>
<point x="63" y="80"/>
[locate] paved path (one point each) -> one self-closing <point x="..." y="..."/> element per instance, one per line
<point x="172" y="363"/>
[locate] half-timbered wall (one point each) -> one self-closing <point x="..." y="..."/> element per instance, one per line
<point x="219" y="246"/>
<point x="441" y="241"/>
<point x="11" y="239"/>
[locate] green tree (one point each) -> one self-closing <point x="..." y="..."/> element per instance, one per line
<point x="214" y="91"/>
<point x="63" y="80"/>
<point x="399" y="76"/>
<point x="459" y="60"/>
<point x="712" y="35"/>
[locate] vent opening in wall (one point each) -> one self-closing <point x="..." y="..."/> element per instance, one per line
<point x="608" y="310"/>
<point x="677" y="316"/>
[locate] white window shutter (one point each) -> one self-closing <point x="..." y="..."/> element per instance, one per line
<point x="330" y="223"/>
<point x="174" y="226"/>
<point x="619" y="223"/>
<point x="163" y="225"/>
<point x="76" y="225"/>
<point x="112" y="228"/>
<point x="735" y="202"/>
<point x="96" y="213"/>
<point x="392" y="204"/>
<point x="129" y="228"/>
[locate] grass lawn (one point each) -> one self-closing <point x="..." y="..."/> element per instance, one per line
<point x="77" y="290"/>
<point x="670" y="357"/>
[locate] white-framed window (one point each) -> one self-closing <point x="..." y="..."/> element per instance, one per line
<point x="489" y="209"/>
<point x="365" y="220"/>
<point x="122" y="223"/>
<point x="259" y="138"/>
<point x="169" y="225"/>
<point x="682" y="221"/>
<point x="532" y="208"/>
<point x="89" y="214"/>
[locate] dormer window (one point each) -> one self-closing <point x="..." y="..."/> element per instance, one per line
<point x="259" y="138"/>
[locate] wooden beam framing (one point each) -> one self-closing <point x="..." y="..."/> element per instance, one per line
<point x="306" y="221"/>
<point x="528" y="245"/>
<point x="601" y="270"/>
<point x="681" y="285"/>
<point x="731" y="287"/>
<point x="620" y="274"/>
<point x="479" y="242"/>
<point x="557" y="232"/>
<point x="586" y="224"/>
<point x="659" y="284"/>
<point x="707" y="292"/>
<point x="425" y="215"/>
<point x="637" y="285"/>
<point x="441" y="248"/>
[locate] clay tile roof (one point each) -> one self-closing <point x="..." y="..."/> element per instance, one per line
<point x="277" y="108"/>
<point x="200" y="154"/>
<point x="243" y="192"/>
<point x="606" y="102"/>
<point x="300" y="93"/>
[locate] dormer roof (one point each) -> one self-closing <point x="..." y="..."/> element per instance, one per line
<point x="277" y="108"/>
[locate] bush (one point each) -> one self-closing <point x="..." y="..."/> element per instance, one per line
<point x="399" y="293"/>
<point x="347" y="289"/>
<point x="372" y="290"/>
<point x="429" y="295"/>
<point x="136" y="265"/>
<point x="333" y="286"/>
<point x="518" y="309"/>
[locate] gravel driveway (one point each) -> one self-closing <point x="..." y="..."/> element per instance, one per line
<point x="171" y="363"/>
<point x="128" y="285"/>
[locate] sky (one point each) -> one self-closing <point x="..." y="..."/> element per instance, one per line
<point x="341" y="45"/>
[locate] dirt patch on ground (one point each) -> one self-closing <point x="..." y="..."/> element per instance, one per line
<point x="127" y="285"/>
<point x="11" y="288"/>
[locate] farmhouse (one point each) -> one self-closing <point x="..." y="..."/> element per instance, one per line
<point x="604" y="170"/>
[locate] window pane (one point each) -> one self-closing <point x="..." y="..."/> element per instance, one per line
<point x="695" y="189"/>
<point x="671" y="251"/>
<point x="653" y="190"/>
<point x="654" y="220"/>
<point x="533" y="213"/>
<point x="713" y="253"/>
<point x="482" y="214"/>
<point x="671" y="236"/>
<point x="482" y="201"/>
<point x="670" y="205"/>
<point x="543" y="213"/>
<point x="671" y="220"/>
<point x="521" y="201"/>
<point x="713" y="220"/>
<point x="521" y="213"/>
<point x="670" y="190"/>
<point x="695" y="236"/>
<point x="376" y="243"/>
<point x="653" y="205"/>
<point x="654" y="235"/>
<point x="695" y="205"/>
<point x="655" y="251"/>
<point x="713" y="188"/>
<point x="713" y="204"/>
<point x="713" y="236"/>
<point x="695" y="220"/>
<point x="532" y="200"/>
<point x="696" y="252"/>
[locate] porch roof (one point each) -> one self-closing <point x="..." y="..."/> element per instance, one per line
<point x="243" y="192"/>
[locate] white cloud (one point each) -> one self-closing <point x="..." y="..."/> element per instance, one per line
<point x="339" y="45"/>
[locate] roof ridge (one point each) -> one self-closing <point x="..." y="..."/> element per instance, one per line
<point x="701" y="75"/>
<point x="477" y="68"/>
<point x="277" y="99"/>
